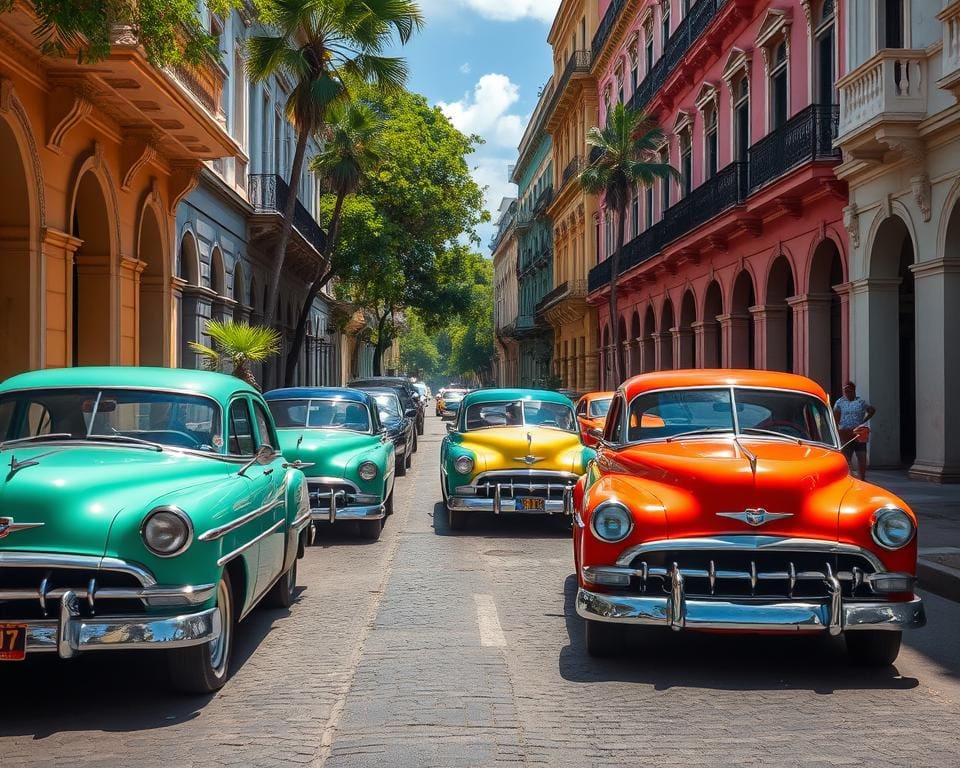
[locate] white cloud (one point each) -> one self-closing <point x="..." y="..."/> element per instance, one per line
<point x="491" y="172"/>
<point x="465" y="68"/>
<point x="486" y="111"/>
<point x="497" y="10"/>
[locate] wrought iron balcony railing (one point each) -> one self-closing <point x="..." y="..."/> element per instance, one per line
<point x="572" y="169"/>
<point x="569" y="289"/>
<point x="578" y="63"/>
<point x="806" y="136"/>
<point x="607" y="23"/>
<point x="543" y="200"/>
<point x="268" y="193"/>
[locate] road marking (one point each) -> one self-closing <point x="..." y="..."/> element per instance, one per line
<point x="939" y="550"/>
<point x="491" y="633"/>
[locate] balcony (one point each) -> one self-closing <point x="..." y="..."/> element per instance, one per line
<point x="806" y="136"/>
<point x="565" y="303"/>
<point x="578" y="65"/>
<point x="268" y="194"/>
<point x="572" y="169"/>
<point x="607" y="23"/>
<point x="950" y="18"/>
<point x="543" y="201"/>
<point x="888" y="90"/>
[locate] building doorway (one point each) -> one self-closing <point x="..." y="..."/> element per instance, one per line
<point x="92" y="275"/>
<point x="150" y="315"/>
<point x="15" y="257"/>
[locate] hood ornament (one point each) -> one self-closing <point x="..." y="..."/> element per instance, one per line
<point x="529" y="459"/>
<point x="755" y="517"/>
<point x="8" y="526"/>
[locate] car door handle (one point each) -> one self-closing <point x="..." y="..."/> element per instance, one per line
<point x="268" y="471"/>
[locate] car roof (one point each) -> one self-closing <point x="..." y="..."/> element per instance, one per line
<point x="378" y="391"/>
<point x="590" y="396"/>
<point x="506" y="395"/>
<point x="319" y="393"/>
<point x="721" y="378"/>
<point x="219" y="386"/>
<point x="374" y="380"/>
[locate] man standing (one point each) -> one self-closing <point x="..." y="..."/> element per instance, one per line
<point x="852" y="414"/>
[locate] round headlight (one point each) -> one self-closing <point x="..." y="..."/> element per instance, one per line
<point x="892" y="528"/>
<point x="367" y="470"/>
<point x="463" y="465"/>
<point x="167" y="531"/>
<point x="611" y="522"/>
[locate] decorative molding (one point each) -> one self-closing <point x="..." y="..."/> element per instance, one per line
<point x="708" y="94"/>
<point x="184" y="177"/>
<point x="9" y="103"/>
<point x="851" y="223"/>
<point x="808" y="14"/>
<point x="683" y="122"/>
<point x="136" y="151"/>
<point x="66" y="108"/>
<point x="738" y="62"/>
<point x="922" y="191"/>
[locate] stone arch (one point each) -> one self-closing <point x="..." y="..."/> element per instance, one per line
<point x="636" y="350"/>
<point x="19" y="247"/>
<point x="741" y="326"/>
<point x="822" y="317"/>
<point x="665" y="336"/>
<point x="94" y="325"/>
<point x="776" y="316"/>
<point x="152" y="304"/>
<point x="190" y="313"/>
<point x="686" y="349"/>
<point x="712" y="339"/>
<point x="188" y="259"/>
<point x="218" y="272"/>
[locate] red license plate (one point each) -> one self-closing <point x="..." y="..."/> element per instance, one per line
<point x="531" y="504"/>
<point x="13" y="642"/>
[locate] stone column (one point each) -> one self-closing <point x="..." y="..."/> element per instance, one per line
<point x="770" y="322"/>
<point x="682" y="347"/>
<point x="55" y="331"/>
<point x="706" y="334"/>
<point x="662" y="350"/>
<point x="98" y="327"/>
<point x="735" y="333"/>
<point x="811" y="314"/>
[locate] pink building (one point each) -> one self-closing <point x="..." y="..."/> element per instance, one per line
<point x="743" y="263"/>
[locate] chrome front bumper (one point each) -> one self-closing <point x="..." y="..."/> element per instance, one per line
<point x="332" y="514"/>
<point x="498" y="507"/>
<point x="751" y="615"/>
<point x="71" y="634"/>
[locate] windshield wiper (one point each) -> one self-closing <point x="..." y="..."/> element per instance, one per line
<point x="704" y="431"/>
<point x="37" y="439"/>
<point x="126" y="439"/>
<point x="772" y="433"/>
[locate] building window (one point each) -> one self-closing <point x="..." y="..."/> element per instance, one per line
<point x="778" y="86"/>
<point x="665" y="186"/>
<point x="620" y="87"/>
<point x="741" y="119"/>
<point x="648" y="50"/>
<point x="892" y="24"/>
<point x="686" y="163"/>
<point x="648" y="205"/>
<point x="665" y="27"/>
<point x="823" y="55"/>
<point x="710" y="142"/>
<point x="634" y="73"/>
<point x="635" y="213"/>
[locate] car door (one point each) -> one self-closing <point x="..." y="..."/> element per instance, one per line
<point x="256" y="494"/>
<point x="273" y="522"/>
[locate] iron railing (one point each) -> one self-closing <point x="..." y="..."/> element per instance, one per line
<point x="569" y="289"/>
<point x="543" y="200"/>
<point x="505" y="225"/>
<point x="572" y="169"/>
<point x="607" y="23"/>
<point x="806" y="136"/>
<point x="579" y="62"/>
<point x="268" y="193"/>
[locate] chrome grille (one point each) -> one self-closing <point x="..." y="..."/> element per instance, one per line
<point x="544" y="485"/>
<point x="731" y="574"/>
<point x="34" y="592"/>
<point x="322" y="490"/>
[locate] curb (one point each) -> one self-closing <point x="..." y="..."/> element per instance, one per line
<point x="940" y="579"/>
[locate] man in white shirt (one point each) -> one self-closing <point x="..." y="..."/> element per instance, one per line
<point x="852" y="414"/>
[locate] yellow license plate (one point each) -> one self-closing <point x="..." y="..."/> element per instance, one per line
<point x="13" y="642"/>
<point x="531" y="504"/>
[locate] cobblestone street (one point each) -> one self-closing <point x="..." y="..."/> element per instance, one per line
<point x="428" y="648"/>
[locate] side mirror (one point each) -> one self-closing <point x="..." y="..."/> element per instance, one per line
<point x="265" y="455"/>
<point x="451" y="427"/>
<point x="596" y="434"/>
<point x="410" y="413"/>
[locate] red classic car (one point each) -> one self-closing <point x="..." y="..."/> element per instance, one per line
<point x="720" y="501"/>
<point x="592" y="415"/>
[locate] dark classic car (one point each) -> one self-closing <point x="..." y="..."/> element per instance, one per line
<point x="408" y="394"/>
<point x="400" y="425"/>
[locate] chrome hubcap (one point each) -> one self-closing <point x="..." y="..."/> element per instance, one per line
<point x="218" y="647"/>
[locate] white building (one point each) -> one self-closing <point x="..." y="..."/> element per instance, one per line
<point x="505" y="294"/>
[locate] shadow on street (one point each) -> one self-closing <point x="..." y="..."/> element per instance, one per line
<point x="509" y="526"/>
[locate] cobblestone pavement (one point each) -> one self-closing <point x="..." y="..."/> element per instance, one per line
<point x="430" y="648"/>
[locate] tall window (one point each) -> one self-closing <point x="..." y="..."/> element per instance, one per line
<point x="778" y="86"/>
<point x="665" y="27"/>
<point x="665" y="186"/>
<point x="239" y="116"/>
<point x="823" y="54"/>
<point x="710" y="142"/>
<point x="634" y="74"/>
<point x="648" y="51"/>
<point x="741" y="119"/>
<point x="686" y="163"/>
<point x="620" y="87"/>
<point x="648" y="205"/>
<point x="892" y="21"/>
<point x="635" y="212"/>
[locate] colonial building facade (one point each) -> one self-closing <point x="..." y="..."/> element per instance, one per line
<point x="900" y="134"/>
<point x="743" y="261"/>
<point x="506" y="299"/>
<point x="570" y="112"/>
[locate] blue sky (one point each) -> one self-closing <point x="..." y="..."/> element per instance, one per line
<point x="482" y="62"/>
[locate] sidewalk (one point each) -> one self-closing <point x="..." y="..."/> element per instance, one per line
<point x="938" y="508"/>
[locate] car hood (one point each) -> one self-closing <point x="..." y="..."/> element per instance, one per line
<point x="700" y="483"/>
<point x="78" y="491"/>
<point x="329" y="450"/>
<point x="507" y="447"/>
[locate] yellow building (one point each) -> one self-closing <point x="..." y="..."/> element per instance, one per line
<point x="572" y="110"/>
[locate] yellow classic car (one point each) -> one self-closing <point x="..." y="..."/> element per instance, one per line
<point x="511" y="451"/>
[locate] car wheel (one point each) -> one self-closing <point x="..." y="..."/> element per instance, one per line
<point x="420" y="426"/>
<point x="873" y="648"/>
<point x="456" y="519"/>
<point x="443" y="489"/>
<point x="401" y="465"/>
<point x="408" y="459"/>
<point x="284" y="592"/>
<point x="603" y="639"/>
<point x="370" y="529"/>
<point x="203" y="668"/>
<point x="415" y="446"/>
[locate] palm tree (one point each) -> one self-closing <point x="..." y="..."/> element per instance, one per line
<point x="629" y="158"/>
<point x="238" y="345"/>
<point x="349" y="152"/>
<point x="325" y="48"/>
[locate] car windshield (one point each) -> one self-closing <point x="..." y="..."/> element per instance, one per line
<point x="325" y="413"/>
<point x="759" y="412"/>
<point x="453" y="394"/>
<point x="520" y="413"/>
<point x="388" y="405"/>
<point x="599" y="408"/>
<point x="115" y="415"/>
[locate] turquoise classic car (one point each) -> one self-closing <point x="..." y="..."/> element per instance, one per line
<point x="345" y="452"/>
<point x="142" y="508"/>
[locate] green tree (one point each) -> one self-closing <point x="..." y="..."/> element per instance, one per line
<point x="628" y="159"/>
<point x="349" y="152"/>
<point x="418" y="349"/>
<point x="326" y="48"/>
<point x="237" y="346"/>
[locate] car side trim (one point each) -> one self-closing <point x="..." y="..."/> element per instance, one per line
<point x="240" y="550"/>
<point x="218" y="533"/>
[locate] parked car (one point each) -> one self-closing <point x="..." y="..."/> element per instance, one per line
<point x="400" y="426"/>
<point x="448" y="405"/>
<point x="348" y="458"/>
<point x="592" y="415"/>
<point x="721" y="501"/>
<point x="511" y="451"/>
<point x="146" y="508"/>
<point x="409" y="397"/>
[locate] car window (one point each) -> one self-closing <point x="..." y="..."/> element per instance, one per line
<point x="582" y="408"/>
<point x="320" y="414"/>
<point x="613" y="428"/>
<point x="388" y="405"/>
<point x="516" y="413"/>
<point x="264" y="428"/>
<point x="240" y="428"/>
<point x="599" y="408"/>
